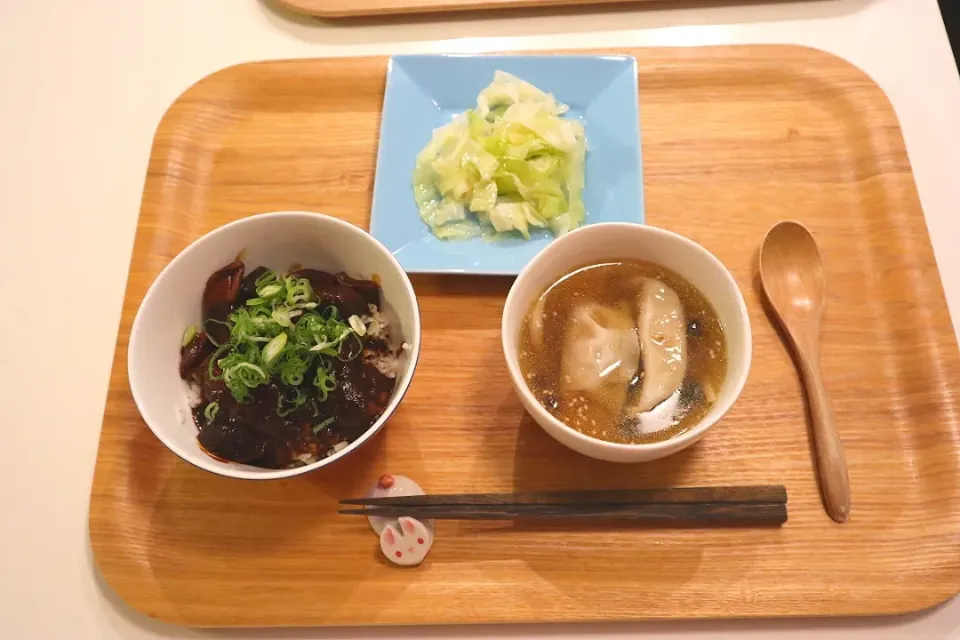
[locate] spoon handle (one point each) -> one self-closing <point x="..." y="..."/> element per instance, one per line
<point x="831" y="461"/>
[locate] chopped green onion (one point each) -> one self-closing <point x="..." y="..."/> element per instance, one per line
<point x="324" y="382"/>
<point x="293" y="365"/>
<point x="274" y="347"/>
<point x="350" y="355"/>
<point x="298" y="399"/>
<point x="270" y="290"/>
<point x="262" y="316"/>
<point x="251" y="374"/>
<point x="246" y="327"/>
<point x="307" y="326"/>
<point x="325" y="348"/>
<point x="298" y="290"/>
<point x="242" y="377"/>
<point x="281" y="316"/>
<point x="284" y="333"/>
<point x="265" y="278"/>
<point x="211" y="411"/>
<point x="215" y="362"/>
<point x="317" y="428"/>
<point x="188" y="335"/>
<point x="357" y="325"/>
<point x="293" y="380"/>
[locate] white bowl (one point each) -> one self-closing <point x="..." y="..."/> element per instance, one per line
<point x="599" y="242"/>
<point x="275" y="240"/>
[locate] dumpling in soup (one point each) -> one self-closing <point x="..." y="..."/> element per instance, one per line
<point x="663" y="345"/>
<point x="600" y="354"/>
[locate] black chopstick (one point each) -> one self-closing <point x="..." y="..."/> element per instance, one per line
<point x="759" y="505"/>
<point x="679" y="495"/>
<point x="764" y="513"/>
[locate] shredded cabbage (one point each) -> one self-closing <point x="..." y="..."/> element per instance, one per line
<point x="510" y="164"/>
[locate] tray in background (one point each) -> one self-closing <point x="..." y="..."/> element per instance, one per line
<point x="735" y="138"/>
<point x="367" y="8"/>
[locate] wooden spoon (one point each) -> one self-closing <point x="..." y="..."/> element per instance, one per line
<point x="793" y="279"/>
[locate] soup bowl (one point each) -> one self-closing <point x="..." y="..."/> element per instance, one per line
<point x="274" y="240"/>
<point x="603" y="242"/>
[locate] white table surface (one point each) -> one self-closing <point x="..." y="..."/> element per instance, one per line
<point x="84" y="84"/>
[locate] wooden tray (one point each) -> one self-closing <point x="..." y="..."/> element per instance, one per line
<point x="734" y="140"/>
<point x="360" y="8"/>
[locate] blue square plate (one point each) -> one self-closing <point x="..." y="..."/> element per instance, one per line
<point x="426" y="92"/>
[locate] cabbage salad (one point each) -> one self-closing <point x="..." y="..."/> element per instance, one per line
<point x="510" y="164"/>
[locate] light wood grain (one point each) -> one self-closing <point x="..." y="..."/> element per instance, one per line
<point x="363" y="8"/>
<point x="734" y="139"/>
<point x="792" y="274"/>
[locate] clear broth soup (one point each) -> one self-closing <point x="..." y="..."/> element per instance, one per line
<point x="624" y="351"/>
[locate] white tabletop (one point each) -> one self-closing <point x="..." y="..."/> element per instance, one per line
<point x="85" y="83"/>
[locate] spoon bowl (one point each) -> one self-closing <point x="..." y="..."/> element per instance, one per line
<point x="791" y="270"/>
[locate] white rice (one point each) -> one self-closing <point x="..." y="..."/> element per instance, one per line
<point x="194" y="395"/>
<point x="377" y="326"/>
<point x="376" y="323"/>
<point x="386" y="363"/>
<point x="337" y="448"/>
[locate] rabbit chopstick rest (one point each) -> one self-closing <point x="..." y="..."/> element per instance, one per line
<point x="404" y="541"/>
